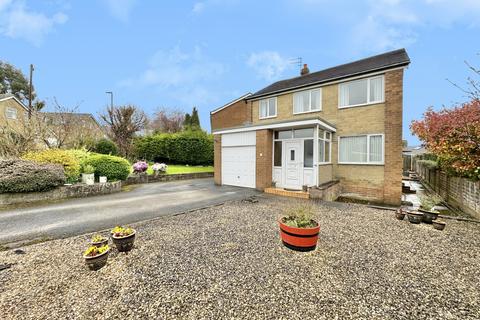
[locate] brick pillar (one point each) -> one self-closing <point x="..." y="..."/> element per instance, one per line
<point x="392" y="191"/>
<point x="217" y="159"/>
<point x="264" y="151"/>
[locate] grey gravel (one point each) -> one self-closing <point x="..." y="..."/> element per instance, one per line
<point x="228" y="262"/>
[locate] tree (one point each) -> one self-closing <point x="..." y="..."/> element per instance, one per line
<point x="192" y="122"/>
<point x="454" y="136"/>
<point x="123" y="123"/>
<point x="13" y="81"/>
<point x="167" y="121"/>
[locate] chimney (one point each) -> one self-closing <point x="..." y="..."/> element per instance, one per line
<point x="304" y="70"/>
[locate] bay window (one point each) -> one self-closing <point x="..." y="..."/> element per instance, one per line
<point x="307" y="101"/>
<point x="363" y="149"/>
<point x="268" y="108"/>
<point x="361" y="92"/>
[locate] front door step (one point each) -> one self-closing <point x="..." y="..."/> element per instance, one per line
<point x="287" y="193"/>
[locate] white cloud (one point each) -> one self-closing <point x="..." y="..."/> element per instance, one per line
<point x="19" y="22"/>
<point x="198" y="7"/>
<point x="183" y="75"/>
<point x="121" y="9"/>
<point x="269" y="65"/>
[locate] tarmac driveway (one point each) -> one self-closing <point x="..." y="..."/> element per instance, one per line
<point x="78" y="216"/>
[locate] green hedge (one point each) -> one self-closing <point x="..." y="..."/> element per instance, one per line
<point x="187" y="147"/>
<point x="430" y="164"/>
<point x="106" y="146"/>
<point x="29" y="176"/>
<point x="114" y="168"/>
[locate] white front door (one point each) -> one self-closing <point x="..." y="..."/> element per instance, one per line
<point x="293" y="164"/>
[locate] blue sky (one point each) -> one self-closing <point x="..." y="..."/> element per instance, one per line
<point x="181" y="54"/>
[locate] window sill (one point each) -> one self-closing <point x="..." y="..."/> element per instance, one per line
<point x="324" y="163"/>
<point x="312" y="111"/>
<point x="270" y="117"/>
<point x="361" y="105"/>
<point x="364" y="163"/>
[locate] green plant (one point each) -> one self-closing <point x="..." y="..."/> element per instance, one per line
<point x="430" y="164"/>
<point x="93" y="251"/>
<point x="119" y="231"/>
<point x="106" y="146"/>
<point x="29" y="176"/>
<point x="299" y="216"/>
<point x="88" y="169"/>
<point x="193" y="147"/>
<point x="427" y="202"/>
<point x="112" y="167"/>
<point x="65" y="158"/>
<point x="98" y="238"/>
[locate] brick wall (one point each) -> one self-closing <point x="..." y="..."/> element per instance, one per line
<point x="236" y="115"/>
<point x="264" y="159"/>
<point x="217" y="159"/>
<point x="458" y="192"/>
<point x="392" y="192"/>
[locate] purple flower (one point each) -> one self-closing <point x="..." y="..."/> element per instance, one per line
<point x="140" y="166"/>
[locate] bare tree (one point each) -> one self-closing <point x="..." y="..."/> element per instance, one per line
<point x="473" y="85"/>
<point x="122" y="123"/>
<point x="60" y="125"/>
<point x="167" y="120"/>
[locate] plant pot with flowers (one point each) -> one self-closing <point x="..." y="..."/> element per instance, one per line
<point x="298" y="230"/>
<point x="99" y="240"/>
<point x="123" y="238"/>
<point x="88" y="175"/>
<point x="400" y="214"/>
<point x="414" y="217"/>
<point x="96" y="257"/>
<point x="427" y="203"/>
<point x="159" y="168"/>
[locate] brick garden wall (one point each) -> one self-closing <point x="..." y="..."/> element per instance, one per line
<point x="458" y="192"/>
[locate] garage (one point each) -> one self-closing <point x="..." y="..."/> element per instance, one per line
<point x="238" y="159"/>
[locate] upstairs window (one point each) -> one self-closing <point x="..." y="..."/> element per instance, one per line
<point x="361" y="92"/>
<point x="268" y="108"/>
<point x="11" y="113"/>
<point x="307" y="101"/>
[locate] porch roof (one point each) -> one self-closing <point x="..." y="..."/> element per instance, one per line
<point x="279" y="125"/>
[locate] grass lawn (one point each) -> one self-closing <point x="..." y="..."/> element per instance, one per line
<point x="177" y="168"/>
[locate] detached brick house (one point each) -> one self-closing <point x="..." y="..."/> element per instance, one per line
<point x="339" y="124"/>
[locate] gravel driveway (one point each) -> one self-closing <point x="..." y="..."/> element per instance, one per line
<point x="228" y="262"/>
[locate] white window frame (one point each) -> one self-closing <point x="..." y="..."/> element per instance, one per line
<point x="268" y="108"/>
<point x="324" y="139"/>
<point x="368" y="162"/>
<point x="310" y="100"/>
<point x="11" y="113"/>
<point x="369" y="102"/>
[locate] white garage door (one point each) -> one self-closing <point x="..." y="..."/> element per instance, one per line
<point x="238" y="159"/>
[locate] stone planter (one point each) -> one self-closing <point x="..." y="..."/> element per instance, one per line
<point x="102" y="179"/>
<point x="88" y="178"/>
<point x="299" y="239"/>
<point x="400" y="214"/>
<point x="439" y="225"/>
<point x="124" y="244"/>
<point x="96" y="262"/>
<point x="415" y="217"/>
<point x="428" y="216"/>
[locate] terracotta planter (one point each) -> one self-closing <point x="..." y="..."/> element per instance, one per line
<point x="400" y="214"/>
<point x="299" y="239"/>
<point x="439" y="225"/>
<point x="96" y="262"/>
<point x="415" y="217"/>
<point x="99" y="244"/>
<point x="428" y="216"/>
<point x="124" y="244"/>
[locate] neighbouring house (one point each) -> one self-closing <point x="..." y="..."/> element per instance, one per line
<point x="339" y="124"/>
<point x="408" y="154"/>
<point x="12" y="111"/>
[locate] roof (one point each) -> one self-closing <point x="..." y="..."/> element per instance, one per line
<point x="384" y="61"/>
<point x="7" y="96"/>
<point x="280" y="124"/>
<point x="231" y="103"/>
<point x="78" y="116"/>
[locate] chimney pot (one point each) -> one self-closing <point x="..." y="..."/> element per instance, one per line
<point x="304" y="70"/>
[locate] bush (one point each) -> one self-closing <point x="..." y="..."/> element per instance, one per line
<point x="187" y="147"/>
<point x="430" y="164"/>
<point x="106" y="146"/>
<point x="114" y="168"/>
<point x="28" y="176"/>
<point x="66" y="158"/>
